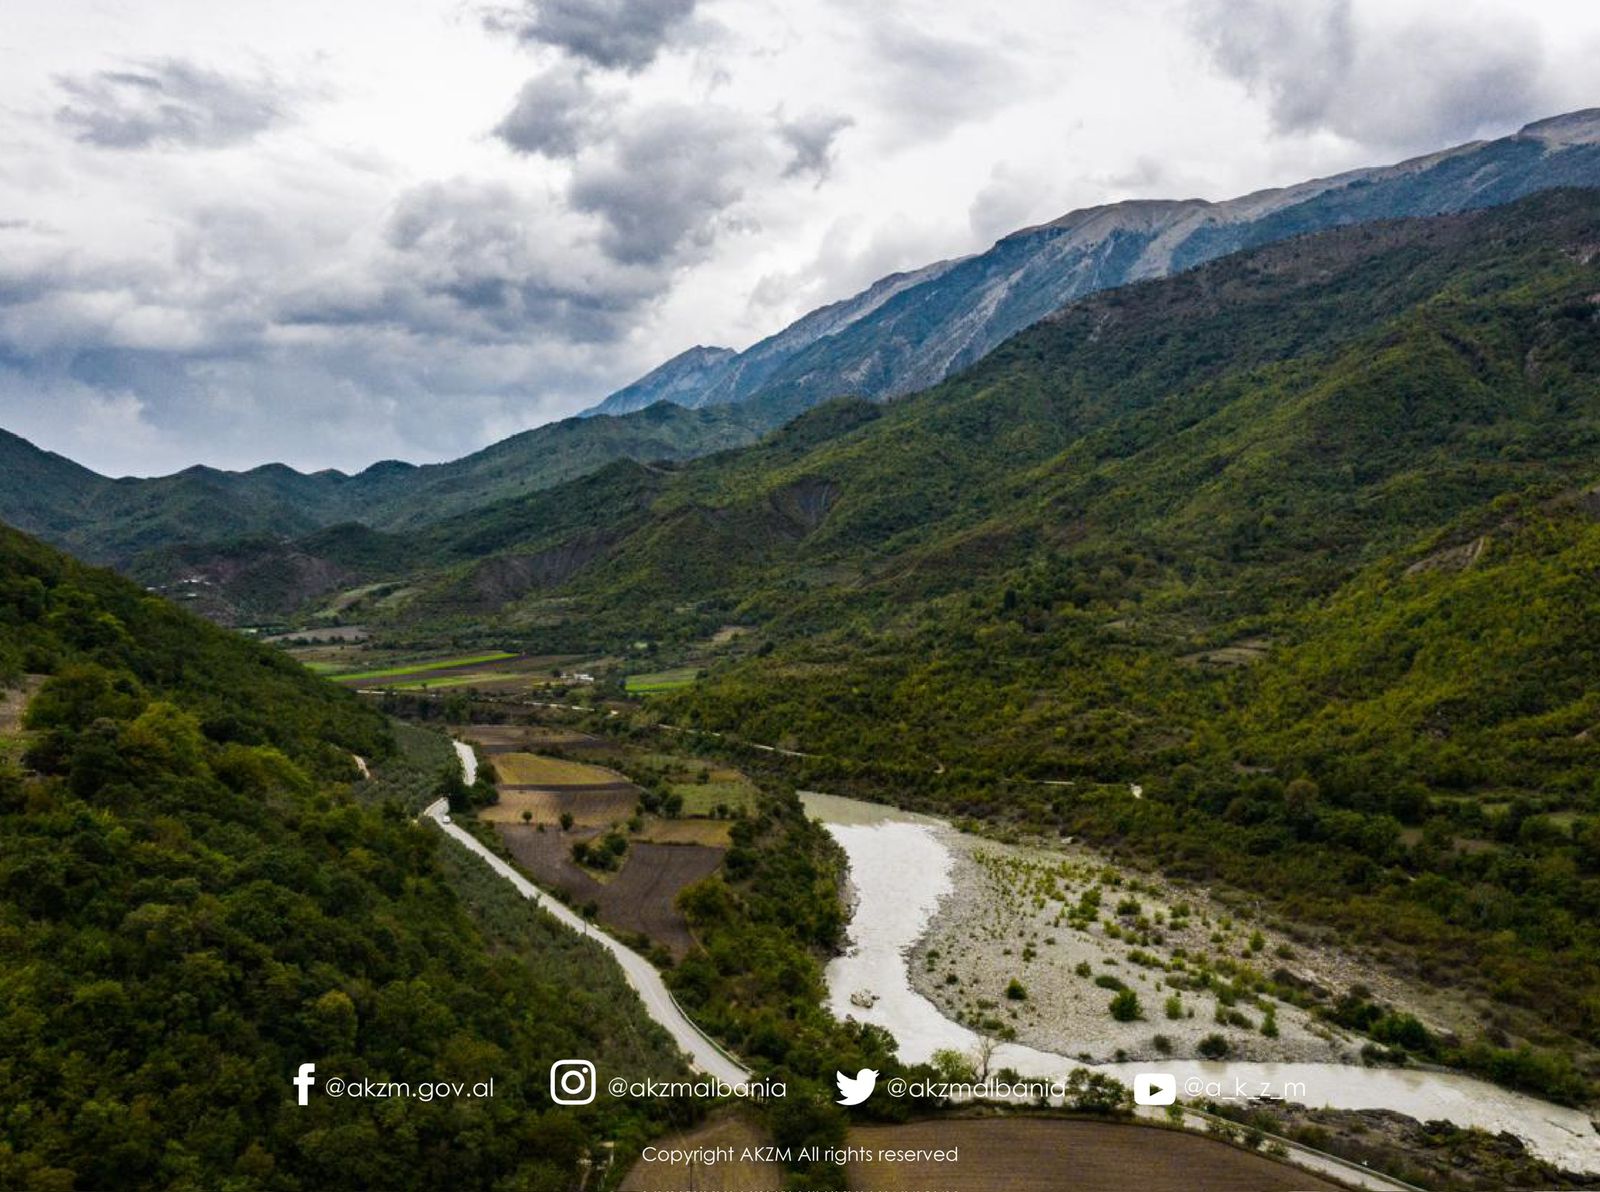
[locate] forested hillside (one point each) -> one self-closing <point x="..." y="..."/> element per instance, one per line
<point x="194" y="904"/>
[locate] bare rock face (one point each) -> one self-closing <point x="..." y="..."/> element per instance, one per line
<point x="1574" y="128"/>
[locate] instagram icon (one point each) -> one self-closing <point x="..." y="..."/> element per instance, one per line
<point x="572" y="1082"/>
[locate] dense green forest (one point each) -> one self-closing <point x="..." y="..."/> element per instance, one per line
<point x="199" y="895"/>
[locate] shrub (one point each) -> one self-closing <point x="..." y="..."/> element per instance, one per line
<point x="1125" y="1006"/>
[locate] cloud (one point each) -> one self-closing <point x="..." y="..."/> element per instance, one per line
<point x="555" y="114"/>
<point x="931" y="84"/>
<point x="811" y="138"/>
<point x="165" y="102"/>
<point x="661" y="186"/>
<point x="479" y="264"/>
<point x="472" y="310"/>
<point x="612" y="34"/>
<point x="1384" y="80"/>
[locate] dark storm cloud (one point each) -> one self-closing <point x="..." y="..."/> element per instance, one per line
<point x="614" y="34"/>
<point x="660" y="185"/>
<point x="165" y="102"/>
<point x="1416" y="85"/>
<point x="554" y="114"/>
<point x="810" y="138"/>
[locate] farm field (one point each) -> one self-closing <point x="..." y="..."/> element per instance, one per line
<point x="495" y="739"/>
<point x="725" y="788"/>
<point x="527" y="769"/>
<point x="588" y="808"/>
<point x="999" y="1154"/>
<point x="668" y="680"/>
<point x="402" y="669"/>
<point x="703" y="786"/>
<point x="1017" y="1154"/>
<point x="492" y="680"/>
<point x="716" y="833"/>
<point x="641" y="896"/>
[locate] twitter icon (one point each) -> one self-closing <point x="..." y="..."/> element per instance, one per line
<point x="853" y="1090"/>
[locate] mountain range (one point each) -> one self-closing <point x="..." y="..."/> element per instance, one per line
<point x="910" y="330"/>
<point x="261" y="544"/>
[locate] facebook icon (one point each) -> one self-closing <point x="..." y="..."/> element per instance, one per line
<point x="305" y="1080"/>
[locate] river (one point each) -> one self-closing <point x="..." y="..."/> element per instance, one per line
<point x="900" y="869"/>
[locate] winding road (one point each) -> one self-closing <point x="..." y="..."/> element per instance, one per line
<point x="703" y="1052"/>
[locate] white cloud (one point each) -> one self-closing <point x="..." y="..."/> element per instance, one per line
<point x="469" y="231"/>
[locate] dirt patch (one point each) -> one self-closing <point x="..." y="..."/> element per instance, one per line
<point x="1245" y="652"/>
<point x="640" y="897"/>
<point x="13" y="701"/>
<point x="1044" y="1155"/>
<point x="1455" y="558"/>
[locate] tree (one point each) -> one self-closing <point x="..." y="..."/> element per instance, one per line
<point x="983" y="1055"/>
<point x="953" y="1066"/>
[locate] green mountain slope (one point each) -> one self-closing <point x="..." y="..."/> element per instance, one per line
<point x="194" y="903"/>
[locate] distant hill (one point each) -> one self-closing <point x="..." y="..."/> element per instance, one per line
<point x="911" y="330"/>
<point x="116" y="521"/>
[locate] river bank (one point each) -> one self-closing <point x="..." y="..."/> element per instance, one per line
<point x="916" y="884"/>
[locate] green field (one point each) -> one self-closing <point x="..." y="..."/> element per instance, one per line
<point x="452" y="681"/>
<point x="433" y="664"/>
<point x="702" y="798"/>
<point x="668" y="680"/>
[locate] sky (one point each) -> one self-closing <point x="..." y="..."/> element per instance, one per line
<point x="332" y="233"/>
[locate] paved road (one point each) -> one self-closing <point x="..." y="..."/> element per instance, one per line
<point x="704" y="1054"/>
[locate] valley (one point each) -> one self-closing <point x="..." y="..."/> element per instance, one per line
<point x="1164" y="641"/>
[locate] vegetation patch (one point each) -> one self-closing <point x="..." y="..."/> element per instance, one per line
<point x="659" y="681"/>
